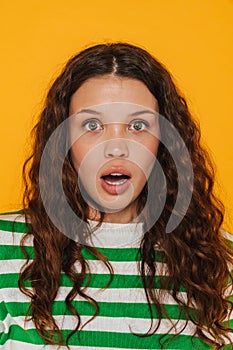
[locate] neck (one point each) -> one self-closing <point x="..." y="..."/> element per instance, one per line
<point x="128" y="215"/>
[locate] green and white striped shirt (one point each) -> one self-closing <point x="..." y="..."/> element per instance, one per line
<point x="123" y="306"/>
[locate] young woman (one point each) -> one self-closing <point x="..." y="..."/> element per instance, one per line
<point x="119" y="244"/>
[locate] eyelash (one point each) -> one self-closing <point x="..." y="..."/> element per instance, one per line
<point x="146" y="124"/>
<point x="85" y="124"/>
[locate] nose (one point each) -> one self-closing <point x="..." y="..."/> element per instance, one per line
<point x="116" y="148"/>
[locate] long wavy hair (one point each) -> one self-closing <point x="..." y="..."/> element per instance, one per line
<point x="195" y="252"/>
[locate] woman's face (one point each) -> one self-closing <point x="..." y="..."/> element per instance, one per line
<point x="114" y="136"/>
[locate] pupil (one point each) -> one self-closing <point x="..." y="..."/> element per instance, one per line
<point x="137" y="126"/>
<point x="92" y="125"/>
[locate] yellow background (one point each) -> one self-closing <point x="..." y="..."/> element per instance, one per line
<point x="192" y="38"/>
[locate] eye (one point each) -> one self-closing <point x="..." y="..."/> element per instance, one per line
<point x="138" y="125"/>
<point x="92" y="125"/>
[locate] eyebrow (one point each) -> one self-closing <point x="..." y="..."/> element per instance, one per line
<point x="135" y="114"/>
<point x="90" y="111"/>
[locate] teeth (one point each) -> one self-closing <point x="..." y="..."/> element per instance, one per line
<point x="117" y="183"/>
<point x="111" y="178"/>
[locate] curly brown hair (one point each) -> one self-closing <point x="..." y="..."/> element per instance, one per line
<point x="195" y="252"/>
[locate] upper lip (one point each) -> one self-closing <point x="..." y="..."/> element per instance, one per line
<point x="116" y="169"/>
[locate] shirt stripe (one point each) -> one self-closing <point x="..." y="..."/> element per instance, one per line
<point x="123" y="308"/>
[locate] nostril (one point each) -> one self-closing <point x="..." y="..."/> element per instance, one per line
<point x="116" y="154"/>
<point x="116" y="148"/>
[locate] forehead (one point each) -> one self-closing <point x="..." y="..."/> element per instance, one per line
<point x="108" y="89"/>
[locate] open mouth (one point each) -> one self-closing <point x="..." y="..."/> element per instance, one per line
<point x="116" y="179"/>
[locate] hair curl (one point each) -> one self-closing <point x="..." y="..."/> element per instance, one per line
<point x="196" y="255"/>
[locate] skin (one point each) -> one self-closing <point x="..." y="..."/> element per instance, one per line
<point x="111" y="144"/>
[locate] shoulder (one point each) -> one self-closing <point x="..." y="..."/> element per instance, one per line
<point x="13" y="222"/>
<point x="12" y="227"/>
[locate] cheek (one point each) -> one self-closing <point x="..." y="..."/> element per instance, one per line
<point x="152" y="144"/>
<point x="78" y="152"/>
<point x="148" y="158"/>
<point x="86" y="156"/>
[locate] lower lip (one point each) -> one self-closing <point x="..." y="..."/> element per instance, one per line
<point x="115" y="189"/>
